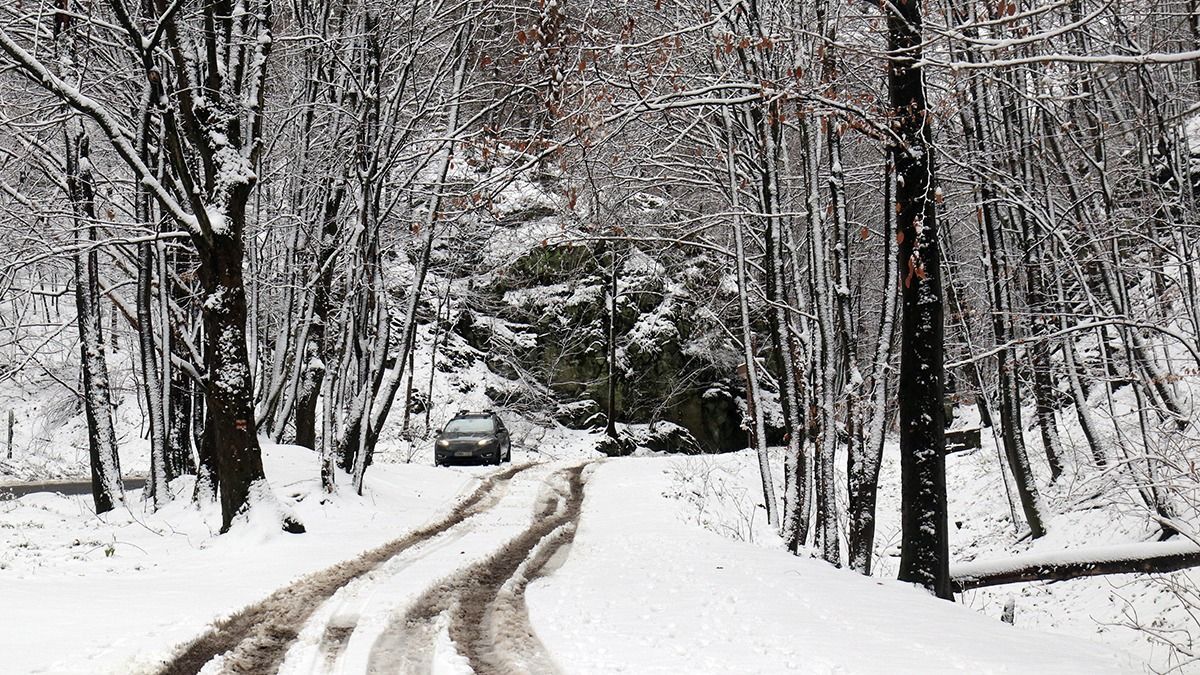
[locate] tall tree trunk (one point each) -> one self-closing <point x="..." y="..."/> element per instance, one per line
<point x="785" y="361"/>
<point x="157" y="486"/>
<point x="1010" y="411"/>
<point x="799" y="334"/>
<point x="107" y="489"/>
<point x="862" y="470"/>
<point x="317" y="344"/>
<point x="231" y="434"/>
<point x="924" y="548"/>
<point x="824" y="357"/>
<point x="758" y="433"/>
<point x="847" y="337"/>
<point x="610" y="426"/>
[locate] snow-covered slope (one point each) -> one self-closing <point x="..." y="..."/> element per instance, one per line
<point x="49" y="428"/>
<point x="1145" y="615"/>
<point x="648" y="586"/>
<point x="644" y="591"/>
<point x="117" y="593"/>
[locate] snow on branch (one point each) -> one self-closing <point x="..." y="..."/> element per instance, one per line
<point x="1077" y="328"/>
<point x="117" y="135"/>
<point x="1143" y="557"/>
<point x="1151" y="58"/>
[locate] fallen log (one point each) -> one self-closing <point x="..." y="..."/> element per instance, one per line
<point x="1145" y="557"/>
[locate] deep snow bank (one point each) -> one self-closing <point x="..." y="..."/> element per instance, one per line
<point x="114" y="594"/>
<point x="646" y="591"/>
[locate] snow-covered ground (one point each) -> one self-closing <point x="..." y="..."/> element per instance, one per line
<point x="117" y="593"/>
<point x="650" y="584"/>
<point x="644" y="590"/>
<point x="1141" y="614"/>
<point x="673" y="561"/>
<point x="50" y="431"/>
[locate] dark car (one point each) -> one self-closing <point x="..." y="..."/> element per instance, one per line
<point x="473" y="437"/>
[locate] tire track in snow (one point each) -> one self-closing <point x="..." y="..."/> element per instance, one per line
<point x="346" y="606"/>
<point x="482" y="608"/>
<point x="254" y="640"/>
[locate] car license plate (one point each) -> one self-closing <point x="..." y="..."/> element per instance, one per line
<point x="463" y="453"/>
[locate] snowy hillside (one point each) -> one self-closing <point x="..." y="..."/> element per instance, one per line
<point x="640" y="584"/>
<point x="645" y="337"/>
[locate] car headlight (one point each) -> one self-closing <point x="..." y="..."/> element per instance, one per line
<point x="486" y="441"/>
<point x="442" y="443"/>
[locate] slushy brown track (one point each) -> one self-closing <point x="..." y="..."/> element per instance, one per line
<point x="260" y="635"/>
<point x="488" y="620"/>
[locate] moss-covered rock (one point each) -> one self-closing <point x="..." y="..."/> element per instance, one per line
<point x="548" y="265"/>
<point x="663" y="436"/>
<point x="615" y="447"/>
<point x="585" y="414"/>
<point x="673" y="363"/>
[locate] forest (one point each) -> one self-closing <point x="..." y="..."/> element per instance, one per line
<point x="929" y="270"/>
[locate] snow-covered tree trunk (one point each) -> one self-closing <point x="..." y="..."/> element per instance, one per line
<point x="107" y="488"/>
<point x="157" y="485"/>
<point x="230" y="431"/>
<point x="758" y="432"/>
<point x="924" y="546"/>
<point x="824" y="355"/>
<point x="317" y="349"/>
<point x="845" y="359"/>
<point x="781" y="339"/>
<point x="863" y="470"/>
<point x="799" y="335"/>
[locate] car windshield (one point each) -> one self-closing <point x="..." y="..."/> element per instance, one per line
<point x="470" y="425"/>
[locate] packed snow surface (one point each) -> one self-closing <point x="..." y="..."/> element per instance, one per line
<point x="644" y="591"/>
<point x="664" y="575"/>
<point x="117" y="593"/>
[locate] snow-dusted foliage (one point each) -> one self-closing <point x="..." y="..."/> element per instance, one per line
<point x="909" y="287"/>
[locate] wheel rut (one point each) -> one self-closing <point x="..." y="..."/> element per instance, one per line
<point x="255" y="640"/>
<point x="482" y="607"/>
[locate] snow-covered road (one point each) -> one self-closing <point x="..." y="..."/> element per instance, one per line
<point x="451" y="600"/>
<point x="64" y="487"/>
<point x="564" y="566"/>
<point x="628" y="589"/>
<point x="310" y="622"/>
